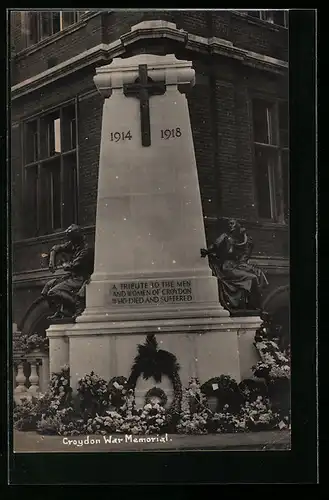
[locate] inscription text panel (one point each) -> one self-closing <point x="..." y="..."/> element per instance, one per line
<point x="151" y="292"/>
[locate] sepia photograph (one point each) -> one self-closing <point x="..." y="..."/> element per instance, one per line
<point x="150" y="230"/>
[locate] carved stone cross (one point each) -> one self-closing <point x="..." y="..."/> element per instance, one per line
<point x="143" y="88"/>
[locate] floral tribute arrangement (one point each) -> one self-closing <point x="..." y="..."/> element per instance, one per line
<point x="273" y="367"/>
<point x="154" y="362"/>
<point x="102" y="407"/>
<point x="24" y="344"/>
<point x="274" y="364"/>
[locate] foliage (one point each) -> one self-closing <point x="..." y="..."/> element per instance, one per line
<point x="103" y="408"/>
<point x="94" y="395"/>
<point x="59" y="385"/>
<point x="147" y="420"/>
<point x="65" y="422"/>
<point x="225" y="389"/>
<point x="253" y="415"/>
<point x="152" y="362"/>
<point x="117" y="391"/>
<point x="29" y="414"/>
<point x="194" y="413"/>
<point x="27" y="343"/>
<point x="258" y="415"/>
<point x="251" y="388"/>
<point x="26" y="415"/>
<point x="274" y="364"/>
<point x="274" y="368"/>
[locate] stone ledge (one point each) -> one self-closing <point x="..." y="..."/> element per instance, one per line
<point x="31" y="442"/>
<point x="149" y="30"/>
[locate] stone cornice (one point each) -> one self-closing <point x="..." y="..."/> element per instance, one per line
<point x="48" y="238"/>
<point x="165" y="69"/>
<point x="147" y="30"/>
<point x="37" y="277"/>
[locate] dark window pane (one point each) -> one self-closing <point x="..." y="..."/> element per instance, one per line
<point x="264" y="122"/>
<point x="267" y="15"/>
<point x="68" y="128"/>
<point x="45" y="199"/>
<point x="68" y="18"/>
<point x="263" y="180"/>
<point x="53" y="134"/>
<point x="73" y="133"/>
<point x="46" y="24"/>
<point x="50" y="193"/>
<point x="254" y="13"/>
<point x="56" y="21"/>
<point x="284" y="123"/>
<point x="81" y="13"/>
<point x="56" y="196"/>
<point x="31" y="142"/>
<point x="31" y="27"/>
<point x="69" y="188"/>
<point x="285" y="181"/>
<point x="278" y="17"/>
<point x="31" y="196"/>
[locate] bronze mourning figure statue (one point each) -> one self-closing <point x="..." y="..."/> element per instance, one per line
<point x="240" y="282"/>
<point x="66" y="294"/>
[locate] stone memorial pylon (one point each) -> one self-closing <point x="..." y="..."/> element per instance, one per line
<point x="148" y="275"/>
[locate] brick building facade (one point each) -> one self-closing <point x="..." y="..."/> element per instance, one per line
<point x="239" y="117"/>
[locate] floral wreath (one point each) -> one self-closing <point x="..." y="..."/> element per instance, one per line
<point x="153" y="362"/>
<point x="224" y="388"/>
<point x="156" y="392"/>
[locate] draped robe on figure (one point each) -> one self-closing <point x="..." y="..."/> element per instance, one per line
<point x="239" y="281"/>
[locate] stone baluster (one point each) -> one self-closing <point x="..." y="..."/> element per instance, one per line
<point x="20" y="378"/>
<point x="34" y="379"/>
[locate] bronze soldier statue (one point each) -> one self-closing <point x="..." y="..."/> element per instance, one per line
<point x="65" y="294"/>
<point x="240" y="282"/>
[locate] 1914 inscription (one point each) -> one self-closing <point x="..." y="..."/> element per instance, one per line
<point x="120" y="136"/>
<point x="151" y="292"/>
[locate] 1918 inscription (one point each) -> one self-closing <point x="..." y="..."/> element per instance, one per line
<point x="171" y="133"/>
<point x="151" y="292"/>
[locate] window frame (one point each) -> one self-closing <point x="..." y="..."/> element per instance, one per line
<point x="261" y="16"/>
<point x="37" y="21"/>
<point x="36" y="230"/>
<point x="276" y="187"/>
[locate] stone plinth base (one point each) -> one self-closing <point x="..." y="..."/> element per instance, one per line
<point x="58" y="346"/>
<point x="204" y="348"/>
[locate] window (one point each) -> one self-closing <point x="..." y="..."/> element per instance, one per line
<point x="278" y="17"/>
<point x="50" y="165"/>
<point x="37" y="26"/>
<point x="270" y="128"/>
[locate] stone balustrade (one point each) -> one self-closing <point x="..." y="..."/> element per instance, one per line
<point x="31" y="374"/>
